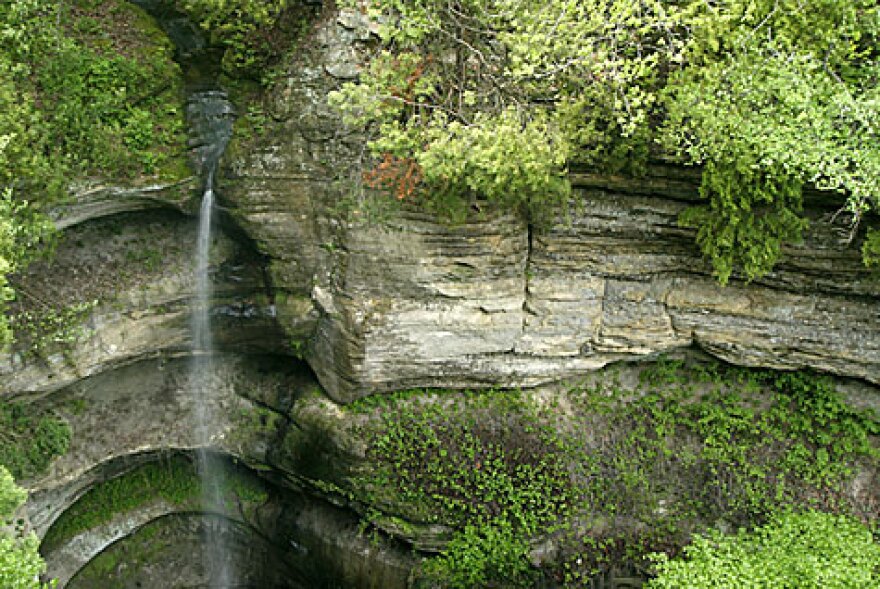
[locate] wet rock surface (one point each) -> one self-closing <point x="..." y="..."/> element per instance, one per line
<point x="133" y="275"/>
<point x="282" y="530"/>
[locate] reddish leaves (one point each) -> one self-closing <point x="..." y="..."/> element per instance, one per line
<point x="398" y="176"/>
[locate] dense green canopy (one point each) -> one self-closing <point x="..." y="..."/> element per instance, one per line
<point x="493" y="98"/>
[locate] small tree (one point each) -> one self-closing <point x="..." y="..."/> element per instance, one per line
<point x="20" y="562"/>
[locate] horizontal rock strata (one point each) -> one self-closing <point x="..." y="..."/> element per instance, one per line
<point x="413" y="301"/>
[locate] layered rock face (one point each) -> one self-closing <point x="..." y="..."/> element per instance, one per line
<point x="299" y="269"/>
<point x="135" y="275"/>
<point x="415" y="302"/>
<point x="124" y="387"/>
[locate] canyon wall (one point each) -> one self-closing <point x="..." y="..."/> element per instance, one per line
<point x="312" y="297"/>
<point x="416" y="302"/>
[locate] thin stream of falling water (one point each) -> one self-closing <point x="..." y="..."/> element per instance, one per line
<point x="201" y="322"/>
<point x="218" y="561"/>
<point x="211" y="118"/>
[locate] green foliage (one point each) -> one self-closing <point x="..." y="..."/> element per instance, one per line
<point x="871" y="248"/>
<point x="20" y="231"/>
<point x="767" y="122"/>
<point x="40" y="333"/>
<point x="77" y="98"/>
<point x="30" y="439"/>
<point x="11" y="496"/>
<point x="478" y="461"/>
<point x="488" y="98"/>
<point x="476" y="471"/>
<point x="510" y="161"/>
<point x="23" y="141"/>
<point x="492" y="555"/>
<point x="747" y="220"/>
<point x="688" y="444"/>
<point x="174" y="480"/>
<point x="763" y="439"/>
<point x="108" y="104"/>
<point x="20" y="562"/>
<point x="245" y="29"/>
<point x="767" y="95"/>
<point x="809" y="550"/>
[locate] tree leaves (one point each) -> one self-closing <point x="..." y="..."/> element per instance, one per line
<point x="20" y="561"/>
<point x="764" y="123"/>
<point x="768" y="95"/>
<point x="239" y="26"/>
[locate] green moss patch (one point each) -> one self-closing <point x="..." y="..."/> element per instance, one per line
<point x="607" y="472"/>
<point x="30" y="438"/>
<point x="174" y="479"/>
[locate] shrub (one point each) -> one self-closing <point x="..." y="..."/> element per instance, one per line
<point x="20" y="563"/>
<point x="810" y="550"/>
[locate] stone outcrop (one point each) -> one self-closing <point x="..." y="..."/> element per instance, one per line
<point x="134" y="273"/>
<point x="300" y="269"/>
<point x="416" y="302"/>
<point x="140" y="414"/>
<point x="144" y="409"/>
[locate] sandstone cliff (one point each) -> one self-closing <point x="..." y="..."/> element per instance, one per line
<point x="372" y="308"/>
<point x="416" y="302"/>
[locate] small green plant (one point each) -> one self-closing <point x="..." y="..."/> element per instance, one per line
<point x="493" y="555"/>
<point x="811" y="550"/>
<point x="871" y="248"/>
<point x="50" y="329"/>
<point x="690" y="443"/>
<point x="20" y="562"/>
<point x="30" y="438"/>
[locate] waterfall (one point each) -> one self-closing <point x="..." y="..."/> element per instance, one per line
<point x="201" y="319"/>
<point x="210" y="116"/>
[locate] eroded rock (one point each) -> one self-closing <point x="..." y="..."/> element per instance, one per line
<point x="417" y="302"/>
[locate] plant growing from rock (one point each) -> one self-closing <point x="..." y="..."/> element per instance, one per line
<point x="492" y="99"/>
<point x="810" y="550"/>
<point x="607" y="473"/>
<point x="20" y="562"/>
<point x="30" y="438"/>
<point x="78" y="100"/>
